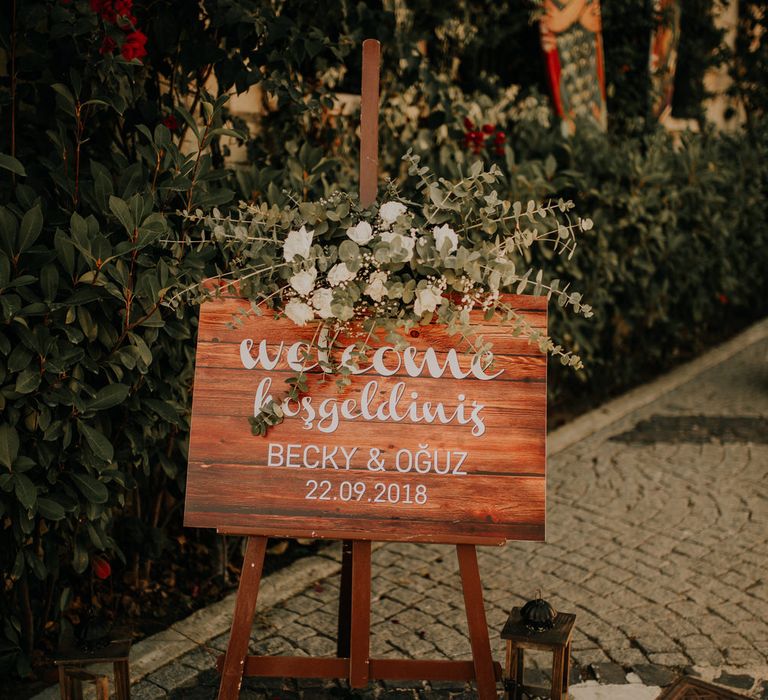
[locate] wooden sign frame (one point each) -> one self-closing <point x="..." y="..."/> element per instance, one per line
<point x="210" y="456"/>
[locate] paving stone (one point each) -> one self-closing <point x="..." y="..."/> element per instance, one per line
<point x="447" y="686"/>
<point x="193" y="693"/>
<point x="651" y="674"/>
<point x="742" y="681"/>
<point x="173" y="676"/>
<point x="209" y="678"/>
<point x="764" y="691"/>
<point x="669" y="659"/>
<point x="144" y="690"/>
<point x="199" y="659"/>
<point x="612" y="674"/>
<point x="403" y="685"/>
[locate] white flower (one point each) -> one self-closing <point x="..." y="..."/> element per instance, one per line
<point x="427" y="299"/>
<point x="376" y="288"/>
<point x="407" y="243"/>
<point x="389" y="211"/>
<point x="303" y="282"/>
<point x="360" y="234"/>
<point x="299" y="312"/>
<point x="446" y="233"/>
<point x="321" y="300"/>
<point x="339" y="273"/>
<point x="397" y="240"/>
<point x="298" y="243"/>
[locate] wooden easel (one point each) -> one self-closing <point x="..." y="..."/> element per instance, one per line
<point x="353" y="659"/>
<point x="353" y="645"/>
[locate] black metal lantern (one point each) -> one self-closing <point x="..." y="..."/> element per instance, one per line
<point x="538" y="615"/>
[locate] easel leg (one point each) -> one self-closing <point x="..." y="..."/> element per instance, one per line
<point x="245" y="606"/>
<point x="478" y="626"/>
<point x="360" y="629"/>
<point x="345" y="601"/>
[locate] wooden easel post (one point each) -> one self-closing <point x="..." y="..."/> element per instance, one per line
<point x="369" y="123"/>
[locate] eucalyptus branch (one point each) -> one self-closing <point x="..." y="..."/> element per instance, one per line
<point x="390" y="267"/>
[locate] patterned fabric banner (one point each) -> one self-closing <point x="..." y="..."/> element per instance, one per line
<point x="572" y="40"/>
<point x="662" y="61"/>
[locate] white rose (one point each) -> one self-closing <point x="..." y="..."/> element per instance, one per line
<point x="360" y="234"/>
<point x="321" y="300"/>
<point x="339" y="273"/>
<point x="376" y="288"/>
<point x="298" y="243"/>
<point x="389" y="211"/>
<point x="299" y="312"/>
<point x="303" y="282"/>
<point x="445" y="233"/>
<point x="399" y="241"/>
<point x="408" y="244"/>
<point x="427" y="299"/>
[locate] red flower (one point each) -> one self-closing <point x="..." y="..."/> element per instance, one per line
<point x="104" y="9"/>
<point x="134" y="46"/>
<point x="500" y="137"/>
<point x="469" y="125"/>
<point x="101" y="567"/>
<point x="488" y="128"/>
<point x="722" y="298"/>
<point x="108" y="45"/>
<point x="171" y="122"/>
<point x="110" y="10"/>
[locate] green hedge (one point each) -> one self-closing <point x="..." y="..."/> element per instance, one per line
<point x="95" y="372"/>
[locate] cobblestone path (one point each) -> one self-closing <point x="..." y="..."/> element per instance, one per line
<point x="657" y="539"/>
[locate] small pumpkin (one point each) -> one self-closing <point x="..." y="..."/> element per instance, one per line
<point x="538" y="615"/>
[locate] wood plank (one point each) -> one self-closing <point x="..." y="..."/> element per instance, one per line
<point x="275" y="498"/>
<point x="425" y="669"/>
<point x="525" y="364"/>
<point x="223" y="440"/>
<point x="293" y="666"/>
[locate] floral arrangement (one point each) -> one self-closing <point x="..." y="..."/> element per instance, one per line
<point x="393" y="266"/>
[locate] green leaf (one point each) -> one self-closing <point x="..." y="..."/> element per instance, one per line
<point x="50" y="509"/>
<point x="80" y="557"/>
<point x="31" y="225"/>
<point x="108" y="396"/>
<point x="164" y="409"/>
<point x="26" y="491"/>
<point x="10" y="163"/>
<point x="98" y="442"/>
<point x="9" y="445"/>
<point x="91" y="488"/>
<point x="49" y="280"/>
<point x="120" y="209"/>
<point x="64" y="91"/>
<point x="27" y="381"/>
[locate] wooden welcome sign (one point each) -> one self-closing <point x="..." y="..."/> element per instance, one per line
<point x="427" y="443"/>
